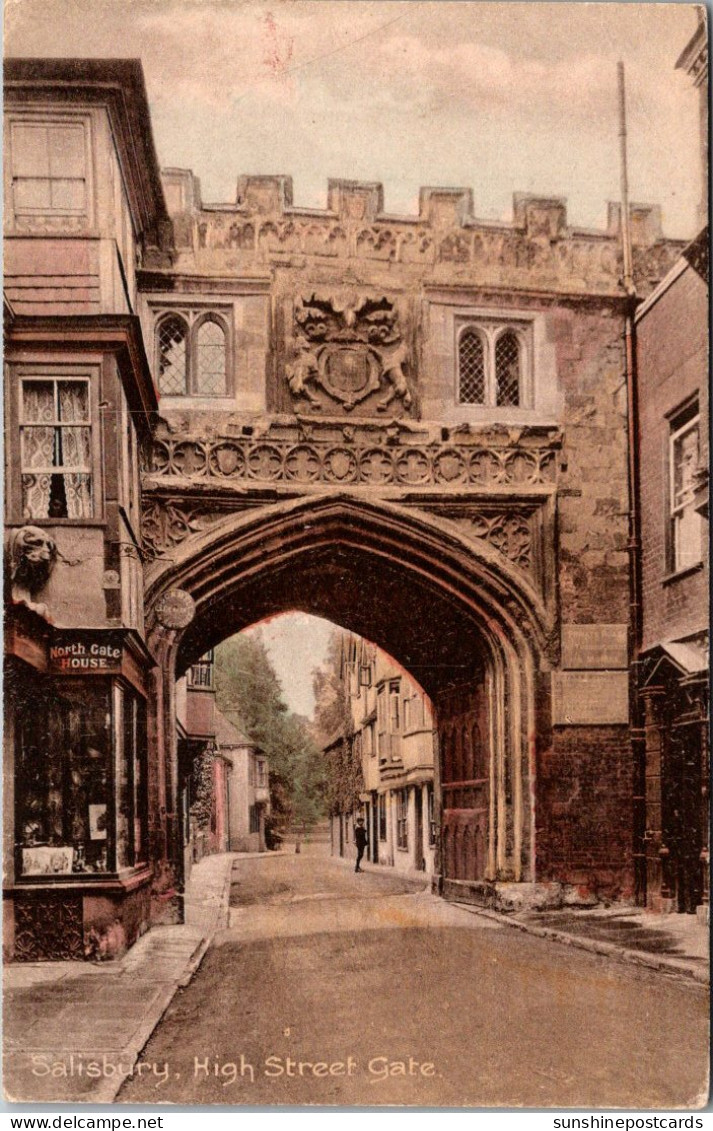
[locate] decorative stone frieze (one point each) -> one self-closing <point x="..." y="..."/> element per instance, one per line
<point x="165" y="524"/>
<point x="347" y="456"/>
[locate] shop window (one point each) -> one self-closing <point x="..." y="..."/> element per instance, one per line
<point x="491" y="364"/>
<point x="192" y="354"/>
<point x="402" y="819"/>
<point x="81" y="781"/>
<point x="685" y="523"/>
<point x="49" y="168"/>
<point x="382" y="816"/>
<point x="56" y="448"/>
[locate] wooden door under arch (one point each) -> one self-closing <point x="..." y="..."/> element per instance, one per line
<point x="465" y="782"/>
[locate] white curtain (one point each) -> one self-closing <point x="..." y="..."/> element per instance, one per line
<point x="56" y="435"/>
<point x="37" y="447"/>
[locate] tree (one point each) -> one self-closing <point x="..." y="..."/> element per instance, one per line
<point x="249" y="694"/>
<point x="333" y="727"/>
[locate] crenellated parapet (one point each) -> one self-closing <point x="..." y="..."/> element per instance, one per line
<point x="446" y="241"/>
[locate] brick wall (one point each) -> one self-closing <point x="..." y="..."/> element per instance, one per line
<point x="673" y="366"/>
<point x="584" y="810"/>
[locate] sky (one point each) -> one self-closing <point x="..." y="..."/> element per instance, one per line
<point x="296" y="644"/>
<point x="497" y="97"/>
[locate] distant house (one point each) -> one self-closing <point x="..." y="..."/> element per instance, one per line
<point x="203" y="769"/>
<point x="248" y="790"/>
<point x="392" y="741"/>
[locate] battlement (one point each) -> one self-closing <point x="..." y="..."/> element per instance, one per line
<point x="445" y="244"/>
<point x="537" y="217"/>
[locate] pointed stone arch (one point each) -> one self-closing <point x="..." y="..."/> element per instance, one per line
<point x="459" y="616"/>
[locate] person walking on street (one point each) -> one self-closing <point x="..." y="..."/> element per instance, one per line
<point x="361" y="840"/>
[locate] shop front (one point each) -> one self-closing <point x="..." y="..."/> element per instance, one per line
<point x="79" y="882"/>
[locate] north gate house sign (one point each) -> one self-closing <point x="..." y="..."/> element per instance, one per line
<point x="77" y="653"/>
<point x="349" y="346"/>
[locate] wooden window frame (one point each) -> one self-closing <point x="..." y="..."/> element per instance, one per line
<point x="684" y="419"/>
<point x="52" y="371"/>
<point x="17" y="118"/>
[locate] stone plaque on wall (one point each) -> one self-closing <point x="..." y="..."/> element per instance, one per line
<point x="590" y="698"/>
<point x="587" y="647"/>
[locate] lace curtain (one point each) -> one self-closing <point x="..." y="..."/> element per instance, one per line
<point x="53" y="450"/>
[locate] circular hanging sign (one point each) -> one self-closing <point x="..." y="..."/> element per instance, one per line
<point x="175" y="609"/>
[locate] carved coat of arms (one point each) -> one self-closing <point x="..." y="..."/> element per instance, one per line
<point x="348" y="348"/>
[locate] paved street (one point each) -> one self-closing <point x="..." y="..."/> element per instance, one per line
<point x="335" y="988"/>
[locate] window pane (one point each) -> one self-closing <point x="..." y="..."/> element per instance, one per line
<point x="210" y="360"/>
<point x="78" y="493"/>
<point x="32" y="195"/>
<point x="172" y="334"/>
<point x="685" y="457"/>
<point x="507" y="369"/>
<point x="36" y="491"/>
<point x="67" y="196"/>
<point x="73" y="401"/>
<point x="687" y="538"/>
<point x="30" y="155"/>
<point x="38" y="402"/>
<point x="66" y="151"/>
<point x="471" y="368"/>
<point x="687" y="524"/>
<point x="38" y="448"/>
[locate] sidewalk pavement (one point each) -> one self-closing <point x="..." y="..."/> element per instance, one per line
<point x="74" y="1030"/>
<point x="674" y="944"/>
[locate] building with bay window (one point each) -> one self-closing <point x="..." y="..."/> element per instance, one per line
<point x="83" y="202"/>
<point x="390" y="739"/>
<point x="672" y="336"/>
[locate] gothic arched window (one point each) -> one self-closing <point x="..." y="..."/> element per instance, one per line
<point x="193" y="353"/>
<point x="210" y="359"/>
<point x="173" y="356"/>
<point x="507" y="369"/>
<point x="471" y="368"/>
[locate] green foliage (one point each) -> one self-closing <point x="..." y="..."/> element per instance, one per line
<point x="333" y="726"/>
<point x="248" y="693"/>
<point x="202" y="789"/>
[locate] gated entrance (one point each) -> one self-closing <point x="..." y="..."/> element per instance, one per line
<point x="413" y="426"/>
<point x="439" y="605"/>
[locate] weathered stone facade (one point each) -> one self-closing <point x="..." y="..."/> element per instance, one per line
<point x="343" y="344"/>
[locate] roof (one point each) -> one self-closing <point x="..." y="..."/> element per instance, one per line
<point x="688" y="657"/>
<point x="117" y="84"/>
<point x="228" y="735"/>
